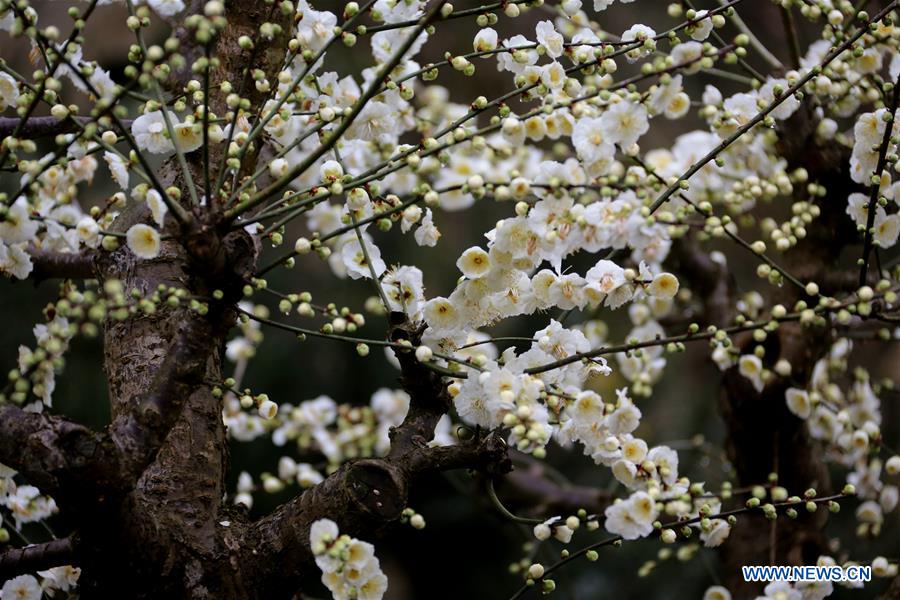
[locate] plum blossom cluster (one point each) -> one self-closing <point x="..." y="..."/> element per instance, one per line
<point x="843" y="411"/>
<point x="350" y="569"/>
<point x="538" y="403"/>
<point x="38" y="367"/>
<point x="25" y="503"/>
<point x="497" y="284"/>
<point x="43" y="212"/>
<point x="639" y="515"/>
<point x="326" y="434"/>
<point x="22" y="504"/>
<point x="870" y="133"/>
<point x="632" y="518"/>
<point x="45" y="215"/>
<point x="54" y="582"/>
<point x="336" y="431"/>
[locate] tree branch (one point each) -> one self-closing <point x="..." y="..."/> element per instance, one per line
<point x="62" y="458"/>
<point x="37" y="127"/>
<point x="532" y="491"/>
<point x="49" y="264"/>
<point x="17" y="561"/>
<point x="876" y="187"/>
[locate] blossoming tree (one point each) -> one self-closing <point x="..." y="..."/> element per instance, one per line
<point x="160" y="200"/>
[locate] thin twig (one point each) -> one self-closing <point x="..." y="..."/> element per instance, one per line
<point x="876" y="186"/>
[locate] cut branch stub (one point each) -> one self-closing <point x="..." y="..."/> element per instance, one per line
<point x="377" y="487"/>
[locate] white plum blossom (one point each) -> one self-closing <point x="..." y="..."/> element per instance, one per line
<point x="315" y="29"/>
<point x="632" y="518"/>
<point x="474" y="263"/>
<point x="22" y="587"/>
<point x="404" y="290"/>
<point x="9" y="91"/>
<point x="63" y="579"/>
<point x="88" y="232"/>
<point x="188" y="136"/>
<point x="549" y="38"/>
<point x="15" y="261"/>
<point x="702" y="26"/>
<point x="158" y="208"/>
<point x="588" y="137"/>
<point x="354" y="253"/>
<point x="554" y="77"/>
<point x="887" y="228"/>
<point x="118" y="168"/>
<point x="798" y="402"/>
<point x="485" y="40"/>
<point x="427" y="234"/>
<point x="150" y="134"/>
<point x="17" y="225"/>
<point x="624" y="123"/>
<point x="751" y="367"/>
<point x="144" y="241"/>
<point x="717" y="592"/>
